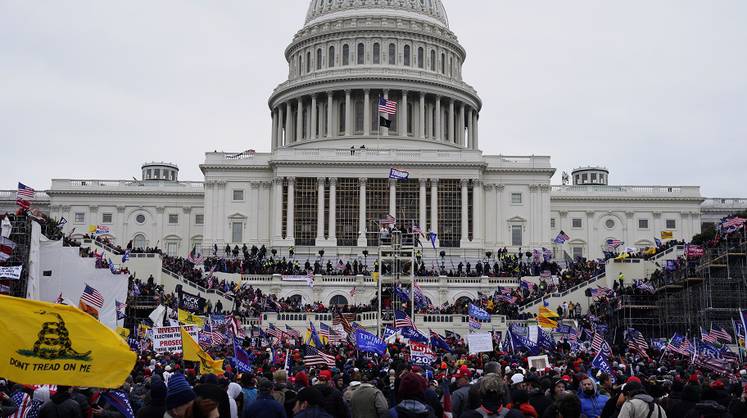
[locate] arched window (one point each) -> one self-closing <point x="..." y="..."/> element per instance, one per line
<point x="443" y="63"/>
<point x="462" y="304"/>
<point x="392" y="54"/>
<point x="338" y="300"/>
<point x="433" y="60"/>
<point x="421" y="58"/>
<point x="331" y="57"/>
<point x="406" y="56"/>
<point x="319" y="59"/>
<point x="346" y="54"/>
<point x="341" y="116"/>
<point x="376" y="53"/>
<point x="361" y="54"/>
<point x="308" y="62"/>
<point x="138" y="241"/>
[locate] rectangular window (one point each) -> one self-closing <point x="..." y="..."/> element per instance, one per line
<point x="643" y="224"/>
<point x="552" y="223"/>
<point x="173" y="218"/>
<point x="237" y="230"/>
<point x="671" y="224"/>
<point x="578" y="252"/>
<point x="172" y="248"/>
<point x="199" y="219"/>
<point x="80" y="217"/>
<point x="106" y="218"/>
<point x="516" y="235"/>
<point x="577" y="223"/>
<point x="238" y="195"/>
<point x="515" y="198"/>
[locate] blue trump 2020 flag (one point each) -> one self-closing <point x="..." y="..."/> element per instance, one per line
<point x="369" y="343"/>
<point x="478" y="313"/>
<point x="414" y="335"/>
<point x="601" y="363"/>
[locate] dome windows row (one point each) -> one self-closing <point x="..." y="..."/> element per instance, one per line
<point x="393" y="53"/>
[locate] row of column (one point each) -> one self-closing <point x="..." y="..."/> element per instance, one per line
<point x="286" y="130"/>
<point x="330" y="238"/>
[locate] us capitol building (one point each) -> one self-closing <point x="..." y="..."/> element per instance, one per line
<point x="325" y="182"/>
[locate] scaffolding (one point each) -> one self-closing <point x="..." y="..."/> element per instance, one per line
<point x="21" y="236"/>
<point x="397" y="252"/>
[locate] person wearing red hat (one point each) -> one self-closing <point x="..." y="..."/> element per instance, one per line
<point x="460" y="396"/>
<point x="332" y="401"/>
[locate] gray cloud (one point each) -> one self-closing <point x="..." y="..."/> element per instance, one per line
<point x="655" y="91"/>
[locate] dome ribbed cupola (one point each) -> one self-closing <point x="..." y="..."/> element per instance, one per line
<point x="352" y="54"/>
<point x="431" y="10"/>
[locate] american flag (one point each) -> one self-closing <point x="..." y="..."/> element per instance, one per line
<point x="715" y="365"/>
<point x="561" y="238"/>
<point x="402" y="320"/>
<point x="720" y="333"/>
<point x="679" y="344"/>
<point x="27" y="407"/>
<point x="275" y="332"/>
<point x="24" y="192"/>
<point x="731" y="225"/>
<point x="388" y="220"/>
<point x="292" y="332"/>
<point x="353" y="291"/>
<point x="339" y="319"/>
<point x="474" y="323"/>
<point x="636" y="342"/>
<point x="324" y="330"/>
<point x="707" y="337"/>
<point x="387" y="106"/>
<point x="646" y="287"/>
<point x="332" y="336"/>
<point x="315" y="357"/>
<point x="92" y="297"/>
<point x="614" y="243"/>
<point x="597" y="341"/>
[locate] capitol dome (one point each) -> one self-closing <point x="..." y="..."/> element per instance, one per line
<point x="350" y="54"/>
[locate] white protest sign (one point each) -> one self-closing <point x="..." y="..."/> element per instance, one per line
<point x="480" y="343"/>
<point x="538" y="362"/>
<point x="169" y="339"/>
<point x="11" y="273"/>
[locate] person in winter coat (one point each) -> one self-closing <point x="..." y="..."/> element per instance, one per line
<point x="234" y="398"/>
<point x="7" y="405"/>
<point x="331" y="397"/>
<point x="249" y="392"/>
<point x="639" y="404"/>
<point x="592" y="402"/>
<point x="491" y="395"/>
<point x="368" y="402"/>
<point x="61" y="405"/>
<point x="411" y="392"/>
<point x="307" y="404"/>
<point x="460" y="396"/>
<point x="265" y="406"/>
<point x="688" y="399"/>
<point x="157" y="406"/>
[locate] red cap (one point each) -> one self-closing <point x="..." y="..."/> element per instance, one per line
<point x="566" y="378"/>
<point x="693" y="378"/>
<point x="325" y="375"/>
<point x="633" y="379"/>
<point x="717" y="385"/>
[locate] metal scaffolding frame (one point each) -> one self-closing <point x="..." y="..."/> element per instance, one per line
<point x="21" y="236"/>
<point x="397" y="253"/>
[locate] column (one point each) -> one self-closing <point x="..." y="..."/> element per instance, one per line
<point x="362" y="240"/>
<point x="330" y="106"/>
<point x="421" y="116"/>
<point x="312" y="134"/>
<point x="288" y="124"/>
<point x="348" y="108"/>
<point x="385" y="131"/>
<point x="393" y="198"/>
<point x="320" y="210"/>
<point x="277" y="211"/>
<point x="274" y="135"/>
<point x="451" y="121"/>
<point x="465" y="216"/>
<point x="434" y="209"/>
<point x="403" y="111"/>
<point x="500" y="221"/>
<point x="421" y="218"/>
<point x="333" y="210"/>
<point x="366" y="113"/>
<point x="460" y="136"/>
<point x="477" y="208"/>
<point x="476" y="140"/>
<point x="290" y="229"/>
<point x="299" y="121"/>
<point x="470" y="130"/>
<point x="438" y="133"/>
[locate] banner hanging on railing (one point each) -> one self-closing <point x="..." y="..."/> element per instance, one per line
<point x="11" y="273"/>
<point x="396" y="174"/>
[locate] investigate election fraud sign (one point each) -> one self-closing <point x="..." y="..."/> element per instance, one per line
<point x="169" y="339"/>
<point x="45" y="343"/>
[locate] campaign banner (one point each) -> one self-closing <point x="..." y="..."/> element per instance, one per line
<point x="296" y="278"/>
<point x="169" y="339"/>
<point x="420" y="354"/>
<point x="99" y="229"/>
<point x="395" y="174"/>
<point x="190" y="302"/>
<point x="694" y="251"/>
<point x="11" y="273"/>
<point x="369" y="343"/>
<point x="480" y="343"/>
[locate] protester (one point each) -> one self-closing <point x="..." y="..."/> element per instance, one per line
<point x="179" y="397"/>
<point x="639" y="404"/>
<point x="265" y="406"/>
<point x="492" y="394"/>
<point x="592" y="402"/>
<point x="62" y="405"/>
<point x="368" y="402"/>
<point x="156" y="408"/>
<point x="308" y="404"/>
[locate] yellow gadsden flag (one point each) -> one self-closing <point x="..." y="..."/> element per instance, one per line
<point x="187" y="317"/>
<point x="546" y="318"/>
<point x="45" y="343"/>
<point x="667" y="234"/>
<point x="193" y="352"/>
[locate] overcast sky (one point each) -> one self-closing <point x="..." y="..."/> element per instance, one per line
<point x="654" y="90"/>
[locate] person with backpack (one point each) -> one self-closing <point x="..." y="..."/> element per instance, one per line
<point x="639" y="404"/>
<point x="492" y="393"/>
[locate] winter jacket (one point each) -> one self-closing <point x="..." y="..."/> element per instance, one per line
<point x="154" y="410"/>
<point x="8" y="407"/>
<point x="265" y="406"/>
<point x="641" y="406"/>
<point x="60" y="406"/>
<point x="368" y="402"/>
<point x="332" y="401"/>
<point x="250" y="395"/>
<point x="592" y="405"/>
<point x="313" y="412"/>
<point x="410" y="408"/>
<point x="460" y="401"/>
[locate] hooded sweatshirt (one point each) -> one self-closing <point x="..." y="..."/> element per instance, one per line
<point x="640" y="406"/>
<point x="234" y="390"/>
<point x="410" y="408"/>
<point x="592" y="405"/>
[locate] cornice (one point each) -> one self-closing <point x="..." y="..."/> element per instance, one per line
<point x="123" y="193"/>
<point x="626" y="198"/>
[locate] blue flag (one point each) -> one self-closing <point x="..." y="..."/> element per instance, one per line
<point x="414" y="335"/>
<point x="401" y="294"/>
<point x="438" y="342"/>
<point x="478" y="313"/>
<point x="314" y="336"/>
<point x="120" y="402"/>
<point x="369" y="343"/>
<point x="388" y="332"/>
<point x="601" y="363"/>
<point x="433" y="236"/>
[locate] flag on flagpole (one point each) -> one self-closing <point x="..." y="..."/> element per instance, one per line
<point x="402" y="320"/>
<point x="387" y="106"/>
<point x="561" y="238"/>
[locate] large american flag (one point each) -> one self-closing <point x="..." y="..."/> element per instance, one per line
<point x="731" y="225"/>
<point x="720" y="333"/>
<point x="275" y="332"/>
<point x="636" y="342"/>
<point x="315" y="357"/>
<point x="596" y="342"/>
<point x="614" y="243"/>
<point x="24" y="192"/>
<point x="92" y="297"/>
<point x="332" y="336"/>
<point x="707" y="337"/>
<point x="402" y="320"/>
<point x="387" y="106"/>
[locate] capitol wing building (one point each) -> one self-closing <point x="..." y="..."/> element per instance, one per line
<point x="325" y="184"/>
